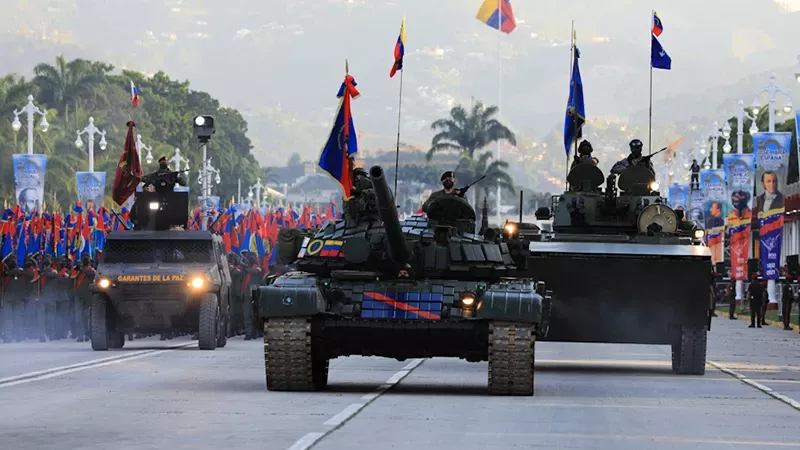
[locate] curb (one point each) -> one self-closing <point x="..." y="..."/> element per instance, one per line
<point x="774" y="323"/>
<point x="780" y="397"/>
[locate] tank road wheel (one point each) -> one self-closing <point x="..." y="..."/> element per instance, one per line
<point x="209" y="322"/>
<point x="512" y="350"/>
<point x="99" y="324"/>
<point x="292" y="357"/>
<point x="689" y="355"/>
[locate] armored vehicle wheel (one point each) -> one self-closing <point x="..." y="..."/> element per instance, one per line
<point x="209" y="322"/>
<point x="116" y="339"/>
<point x="512" y="349"/>
<point x="292" y="357"/>
<point x="689" y="355"/>
<point x="222" y="337"/>
<point x="99" y="324"/>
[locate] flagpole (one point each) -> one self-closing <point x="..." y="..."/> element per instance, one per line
<point x="397" y="149"/>
<point x="499" y="99"/>
<point x="571" y="61"/>
<point x="650" y="125"/>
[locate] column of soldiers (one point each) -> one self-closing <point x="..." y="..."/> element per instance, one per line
<point x="47" y="304"/>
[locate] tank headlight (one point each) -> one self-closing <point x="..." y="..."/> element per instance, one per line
<point x="510" y="228"/>
<point x="654" y="186"/>
<point x="699" y="234"/>
<point x="467" y="299"/>
<point x="197" y="282"/>
<point x="104" y="283"/>
<point x="153" y="206"/>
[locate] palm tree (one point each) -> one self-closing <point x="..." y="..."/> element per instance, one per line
<point x="13" y="93"/>
<point x="468" y="132"/>
<point x="470" y="169"/>
<point x="66" y="82"/>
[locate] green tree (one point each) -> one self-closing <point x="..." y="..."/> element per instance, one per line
<point x="68" y="82"/>
<point x="468" y="131"/>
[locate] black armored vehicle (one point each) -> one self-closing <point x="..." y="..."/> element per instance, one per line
<point x="160" y="278"/>
<point x="625" y="267"/>
<point x="373" y="285"/>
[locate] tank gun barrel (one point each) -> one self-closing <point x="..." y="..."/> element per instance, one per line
<point x="387" y="210"/>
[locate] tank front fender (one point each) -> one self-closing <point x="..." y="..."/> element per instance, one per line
<point x="290" y="301"/>
<point x="511" y="306"/>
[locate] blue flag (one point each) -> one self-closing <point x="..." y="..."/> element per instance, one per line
<point x="659" y="59"/>
<point x="342" y="142"/>
<point x="576" y="113"/>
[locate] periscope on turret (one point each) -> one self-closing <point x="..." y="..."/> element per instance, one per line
<point x="644" y="270"/>
<point x="371" y="284"/>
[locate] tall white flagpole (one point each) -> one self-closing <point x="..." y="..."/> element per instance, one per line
<point x="499" y="101"/>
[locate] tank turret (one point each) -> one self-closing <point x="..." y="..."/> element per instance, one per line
<point x="387" y="211"/>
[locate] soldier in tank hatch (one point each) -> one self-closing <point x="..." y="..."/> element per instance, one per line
<point x="584" y="155"/>
<point x="448" y="180"/>
<point x="634" y="158"/>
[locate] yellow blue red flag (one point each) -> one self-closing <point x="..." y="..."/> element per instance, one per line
<point x="342" y="142"/>
<point x="498" y="14"/>
<point x="399" y="50"/>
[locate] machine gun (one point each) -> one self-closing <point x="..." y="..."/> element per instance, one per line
<point x="643" y="160"/>
<point x="163" y="182"/>
<point x="462" y="191"/>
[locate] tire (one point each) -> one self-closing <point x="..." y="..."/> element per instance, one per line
<point x="293" y="357"/>
<point x="689" y="355"/>
<point x="224" y="328"/>
<point x="512" y="358"/>
<point x="209" y="322"/>
<point x="99" y="323"/>
<point x="116" y="339"/>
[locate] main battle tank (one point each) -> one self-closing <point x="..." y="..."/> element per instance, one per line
<point x="373" y="285"/>
<point x="625" y="267"/>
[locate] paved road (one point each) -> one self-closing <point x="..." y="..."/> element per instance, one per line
<point x="57" y="395"/>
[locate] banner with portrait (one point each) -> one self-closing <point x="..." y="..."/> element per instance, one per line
<point x="208" y="203"/>
<point x="772" y="160"/>
<point x="29" y="176"/>
<point x="715" y="208"/>
<point x="678" y="197"/>
<point x="695" y="213"/>
<point x="91" y="189"/>
<point x="740" y="173"/>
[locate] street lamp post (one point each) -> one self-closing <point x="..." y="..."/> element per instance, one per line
<point x="204" y="177"/>
<point x="772" y="89"/>
<point x="141" y="145"/>
<point x="258" y="186"/>
<point x="90" y="131"/>
<point x="31" y="110"/>
<point x="177" y="159"/>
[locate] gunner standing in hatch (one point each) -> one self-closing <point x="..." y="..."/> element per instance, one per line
<point x="161" y="178"/>
<point x="449" y="183"/>
<point x="584" y="155"/>
<point x="635" y="158"/>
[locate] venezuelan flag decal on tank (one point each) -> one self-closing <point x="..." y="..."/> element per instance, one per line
<point x="401" y="305"/>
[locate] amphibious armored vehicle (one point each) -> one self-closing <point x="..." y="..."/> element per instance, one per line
<point x="424" y="287"/>
<point x="624" y="266"/>
<point x="157" y="279"/>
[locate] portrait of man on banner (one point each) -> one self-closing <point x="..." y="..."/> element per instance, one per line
<point x="772" y="159"/>
<point x="29" y="176"/>
<point x="91" y="189"/>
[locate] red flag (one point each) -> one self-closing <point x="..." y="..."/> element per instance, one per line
<point x="129" y="169"/>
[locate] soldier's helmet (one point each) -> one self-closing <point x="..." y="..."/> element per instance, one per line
<point x="585" y="148"/>
<point x="636" y="146"/>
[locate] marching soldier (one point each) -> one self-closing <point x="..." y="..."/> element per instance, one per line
<point x="48" y="295"/>
<point x="237" y="325"/>
<point x="756" y="292"/>
<point x="14" y="293"/>
<point x="251" y="278"/>
<point x="34" y="314"/>
<point x="83" y="280"/>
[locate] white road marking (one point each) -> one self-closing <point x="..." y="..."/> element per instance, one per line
<point x="95" y="363"/>
<point x="335" y="422"/>
<point x="789" y="401"/>
<point x="346" y="413"/>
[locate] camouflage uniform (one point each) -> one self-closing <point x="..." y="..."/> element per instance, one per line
<point x="14" y="293"/>
<point x="83" y="279"/>
<point x="33" y="307"/>
<point x="48" y="299"/>
<point x="252" y="278"/>
<point x="237" y="324"/>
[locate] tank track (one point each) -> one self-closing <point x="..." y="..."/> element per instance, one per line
<point x="291" y="358"/>
<point x="689" y="355"/>
<point x="512" y="349"/>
